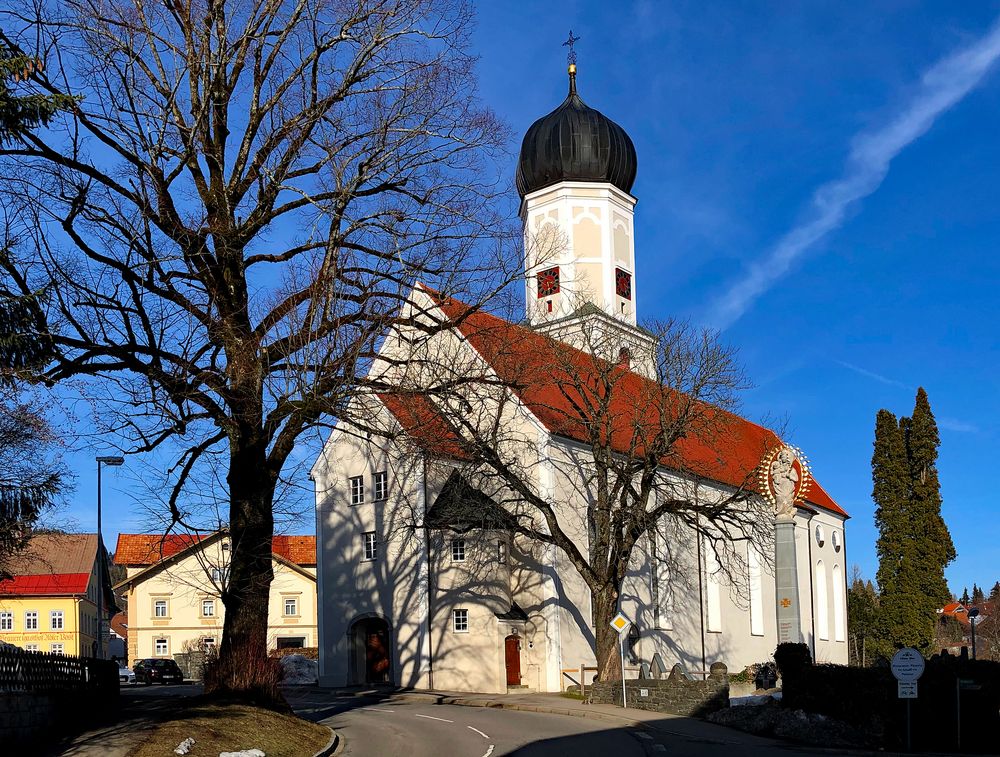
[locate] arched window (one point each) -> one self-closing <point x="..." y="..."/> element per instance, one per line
<point x="756" y="592"/>
<point x="838" y="604"/>
<point x="822" y="614"/>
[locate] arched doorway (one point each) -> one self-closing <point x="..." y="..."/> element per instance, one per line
<point x="512" y="657"/>
<point x="371" y="651"/>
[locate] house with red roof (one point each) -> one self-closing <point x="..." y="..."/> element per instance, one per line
<point x="426" y="575"/>
<point x="50" y="602"/>
<point x="174" y="585"/>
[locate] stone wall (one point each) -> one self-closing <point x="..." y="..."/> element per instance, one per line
<point x="677" y="694"/>
<point x="24" y="716"/>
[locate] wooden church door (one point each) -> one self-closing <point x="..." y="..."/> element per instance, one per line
<point x="512" y="649"/>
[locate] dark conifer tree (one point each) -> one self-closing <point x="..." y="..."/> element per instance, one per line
<point x="995" y="592"/>
<point x="965" y="596"/>
<point x="20" y="113"/>
<point x="977" y="595"/>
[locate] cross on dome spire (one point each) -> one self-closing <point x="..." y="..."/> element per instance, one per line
<point x="571" y="55"/>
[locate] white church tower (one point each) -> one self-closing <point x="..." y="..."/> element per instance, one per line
<point x="575" y="175"/>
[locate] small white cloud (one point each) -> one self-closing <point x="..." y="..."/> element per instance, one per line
<point x="941" y="87"/>
<point x="953" y="424"/>
<point x="872" y="375"/>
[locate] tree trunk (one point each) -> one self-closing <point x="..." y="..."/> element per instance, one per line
<point x="244" y="669"/>
<point x="605" y="603"/>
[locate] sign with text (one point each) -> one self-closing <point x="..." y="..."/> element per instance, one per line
<point x="907" y="665"/>
<point x="907" y="689"/>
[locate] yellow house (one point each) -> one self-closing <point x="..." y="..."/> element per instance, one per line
<point x="50" y="603"/>
<point x="174" y="583"/>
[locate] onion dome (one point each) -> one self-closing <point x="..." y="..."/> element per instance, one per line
<point x="575" y="143"/>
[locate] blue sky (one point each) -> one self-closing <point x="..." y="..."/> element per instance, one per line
<point x="741" y="113"/>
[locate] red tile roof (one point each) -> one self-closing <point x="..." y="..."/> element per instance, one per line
<point x="545" y="374"/>
<point x="56" y="583"/>
<point x="140" y="550"/>
<point x="424" y="424"/>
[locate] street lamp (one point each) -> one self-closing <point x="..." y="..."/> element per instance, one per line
<point x="113" y="461"/>
<point x="973" y="616"/>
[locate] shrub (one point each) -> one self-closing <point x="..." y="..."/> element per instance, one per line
<point x="246" y="677"/>
<point x="792" y="658"/>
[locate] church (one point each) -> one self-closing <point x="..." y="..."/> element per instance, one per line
<point x="426" y="576"/>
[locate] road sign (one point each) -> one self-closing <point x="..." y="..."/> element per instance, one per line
<point x="620" y="623"/>
<point x="907" y="665"/>
<point x="907" y="689"/>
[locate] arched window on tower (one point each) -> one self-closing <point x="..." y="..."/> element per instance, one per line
<point x="822" y="614"/>
<point x="838" y="604"/>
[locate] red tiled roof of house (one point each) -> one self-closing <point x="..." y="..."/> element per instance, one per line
<point x="545" y="374"/>
<point x="140" y="550"/>
<point x="53" y="564"/>
<point x="424" y="424"/>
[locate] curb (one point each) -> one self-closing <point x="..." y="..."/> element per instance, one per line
<point x="333" y="747"/>
<point x="518" y="707"/>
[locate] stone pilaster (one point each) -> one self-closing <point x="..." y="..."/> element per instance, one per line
<point x="786" y="583"/>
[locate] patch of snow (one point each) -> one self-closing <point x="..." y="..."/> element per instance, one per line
<point x="243" y="753"/>
<point x="185" y="746"/>
<point x="298" y="670"/>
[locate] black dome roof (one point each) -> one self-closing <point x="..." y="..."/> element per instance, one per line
<point x="575" y="143"/>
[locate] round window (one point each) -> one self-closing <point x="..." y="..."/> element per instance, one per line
<point x="820" y="535"/>
<point x="835" y="538"/>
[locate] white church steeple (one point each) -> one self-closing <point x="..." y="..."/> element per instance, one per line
<point x="575" y="175"/>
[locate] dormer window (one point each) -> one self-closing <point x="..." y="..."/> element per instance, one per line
<point x="548" y="282"/>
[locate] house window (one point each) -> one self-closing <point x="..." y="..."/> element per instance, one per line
<point x="548" y="282"/>
<point x="160" y="608"/>
<point x="56" y="648"/>
<point x="381" y="485"/>
<point x="458" y="550"/>
<point x="208" y="608"/>
<point x="31" y="621"/>
<point x="357" y="490"/>
<point x="291" y="606"/>
<point x="56" y="620"/>
<point x="623" y="284"/>
<point x="208" y="643"/>
<point x="370" y="545"/>
<point x="460" y="621"/>
<point x="30" y="647"/>
<point x="160" y="647"/>
<point x="6" y="621"/>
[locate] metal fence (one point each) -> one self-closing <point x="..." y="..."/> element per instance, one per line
<point x="21" y="670"/>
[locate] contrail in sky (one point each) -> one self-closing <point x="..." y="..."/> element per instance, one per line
<point x="941" y="87"/>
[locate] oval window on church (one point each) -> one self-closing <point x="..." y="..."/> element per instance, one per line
<point x="835" y="538"/>
<point x="820" y="536"/>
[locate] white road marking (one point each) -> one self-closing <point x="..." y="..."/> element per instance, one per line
<point x="488" y="751"/>
<point x="375" y="709"/>
<point x="431" y="717"/>
<point x="477" y="731"/>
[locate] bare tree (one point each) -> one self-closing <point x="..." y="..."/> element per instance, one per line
<point x="228" y="218"/>
<point x="643" y="454"/>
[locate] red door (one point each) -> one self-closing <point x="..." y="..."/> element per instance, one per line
<point x="512" y="650"/>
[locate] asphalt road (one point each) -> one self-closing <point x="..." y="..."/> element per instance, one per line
<point x="391" y="727"/>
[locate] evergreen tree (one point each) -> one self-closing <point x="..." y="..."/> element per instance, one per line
<point x="977" y="595"/>
<point x="965" y="596"/>
<point x="914" y="545"/>
<point x="22" y="113"/>
<point x="862" y="620"/>
<point x="995" y="592"/>
<point x="934" y="549"/>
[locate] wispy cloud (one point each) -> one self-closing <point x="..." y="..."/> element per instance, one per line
<point x="872" y="375"/>
<point x="941" y="87"/>
<point x="953" y="424"/>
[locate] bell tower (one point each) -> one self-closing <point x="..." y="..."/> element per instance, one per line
<point x="574" y="176"/>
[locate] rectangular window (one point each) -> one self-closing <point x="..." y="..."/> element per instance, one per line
<point x="56" y="648"/>
<point x="208" y="643"/>
<point x="160" y="608"/>
<point x="31" y="621"/>
<point x="208" y="608"/>
<point x="460" y="621"/>
<point x="381" y="486"/>
<point x="291" y="606"/>
<point x="160" y="647"/>
<point x="623" y="284"/>
<point x="756" y="592"/>
<point x="660" y="590"/>
<point x="357" y="490"/>
<point x="713" y="590"/>
<point x="548" y="282"/>
<point x="30" y="647"/>
<point x="6" y="621"/>
<point x="56" y="620"/>
<point x="370" y="545"/>
<point x="458" y="550"/>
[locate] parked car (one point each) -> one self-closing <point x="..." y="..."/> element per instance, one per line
<point x="158" y="670"/>
<point x="126" y="677"/>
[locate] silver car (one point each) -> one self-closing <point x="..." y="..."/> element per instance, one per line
<point x="125" y="676"/>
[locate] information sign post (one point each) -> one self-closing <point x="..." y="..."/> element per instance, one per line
<point x="907" y="666"/>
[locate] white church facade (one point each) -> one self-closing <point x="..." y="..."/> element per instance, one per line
<point x="422" y="581"/>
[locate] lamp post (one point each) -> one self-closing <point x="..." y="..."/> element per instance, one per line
<point x="973" y="617"/>
<point x="114" y="461"/>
